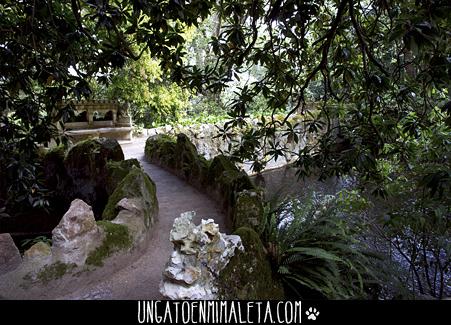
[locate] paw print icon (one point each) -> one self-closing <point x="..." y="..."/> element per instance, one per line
<point x="312" y="313"/>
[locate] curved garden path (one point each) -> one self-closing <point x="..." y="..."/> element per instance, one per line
<point x="140" y="279"/>
<point x="135" y="275"/>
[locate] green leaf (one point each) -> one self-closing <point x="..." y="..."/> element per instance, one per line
<point x="315" y="252"/>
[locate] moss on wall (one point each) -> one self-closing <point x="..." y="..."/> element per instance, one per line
<point x="137" y="184"/>
<point x="249" y="211"/>
<point x="116" y="238"/>
<point x="54" y="271"/>
<point x="248" y="275"/>
<point x="160" y="149"/>
<point x="117" y="170"/>
<point x="219" y="178"/>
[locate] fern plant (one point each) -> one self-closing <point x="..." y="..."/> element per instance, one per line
<point x="317" y="251"/>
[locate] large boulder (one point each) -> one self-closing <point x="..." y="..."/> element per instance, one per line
<point x="116" y="172"/>
<point x="200" y="253"/>
<point x="160" y="149"/>
<point x="10" y="257"/>
<point x="132" y="214"/>
<point x="76" y="235"/>
<point x="86" y="167"/>
<point x="248" y="275"/>
<point x="136" y="185"/>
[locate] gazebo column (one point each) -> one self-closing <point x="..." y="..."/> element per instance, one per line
<point x="114" y="115"/>
<point x="90" y="113"/>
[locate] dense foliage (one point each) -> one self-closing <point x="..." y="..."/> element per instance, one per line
<point x="371" y="78"/>
<point x="385" y="63"/>
<point x="49" y="50"/>
<point x="383" y="67"/>
<point x="154" y="100"/>
<point x="317" y="248"/>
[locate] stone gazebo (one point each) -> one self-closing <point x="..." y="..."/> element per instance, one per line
<point x="100" y="118"/>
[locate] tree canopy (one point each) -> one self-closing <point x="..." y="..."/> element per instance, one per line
<point x="381" y="70"/>
<point x="49" y="50"/>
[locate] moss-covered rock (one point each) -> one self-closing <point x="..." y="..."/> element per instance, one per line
<point x="225" y="181"/>
<point x="222" y="171"/>
<point x="54" y="271"/>
<point x="185" y="152"/>
<point x="132" y="214"/>
<point x="89" y="157"/>
<point x="249" y="211"/>
<point x="178" y="155"/>
<point x="137" y="184"/>
<point x="248" y="274"/>
<point x="189" y="164"/>
<point x="219" y="165"/>
<point x="85" y="164"/>
<point x="160" y="149"/>
<point x="117" y="170"/>
<point x="116" y="238"/>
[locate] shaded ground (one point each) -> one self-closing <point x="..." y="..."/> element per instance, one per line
<point x="138" y="275"/>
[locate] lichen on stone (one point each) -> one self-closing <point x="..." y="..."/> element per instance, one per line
<point x="248" y="275"/>
<point x="38" y="250"/>
<point x="116" y="238"/>
<point x="249" y="211"/>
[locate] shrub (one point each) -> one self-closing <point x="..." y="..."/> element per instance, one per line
<point x="316" y="249"/>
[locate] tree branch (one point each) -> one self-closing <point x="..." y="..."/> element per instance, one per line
<point x="328" y="38"/>
<point x="362" y="41"/>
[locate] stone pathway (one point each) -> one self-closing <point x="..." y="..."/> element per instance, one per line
<point x="140" y="280"/>
<point x="138" y="274"/>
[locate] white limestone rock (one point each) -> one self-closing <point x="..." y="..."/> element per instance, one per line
<point x="197" y="291"/>
<point x="200" y="253"/>
<point x="76" y="235"/>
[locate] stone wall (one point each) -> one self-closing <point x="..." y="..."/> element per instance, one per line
<point x="209" y="145"/>
<point x="249" y="274"/>
<point x="219" y="178"/>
